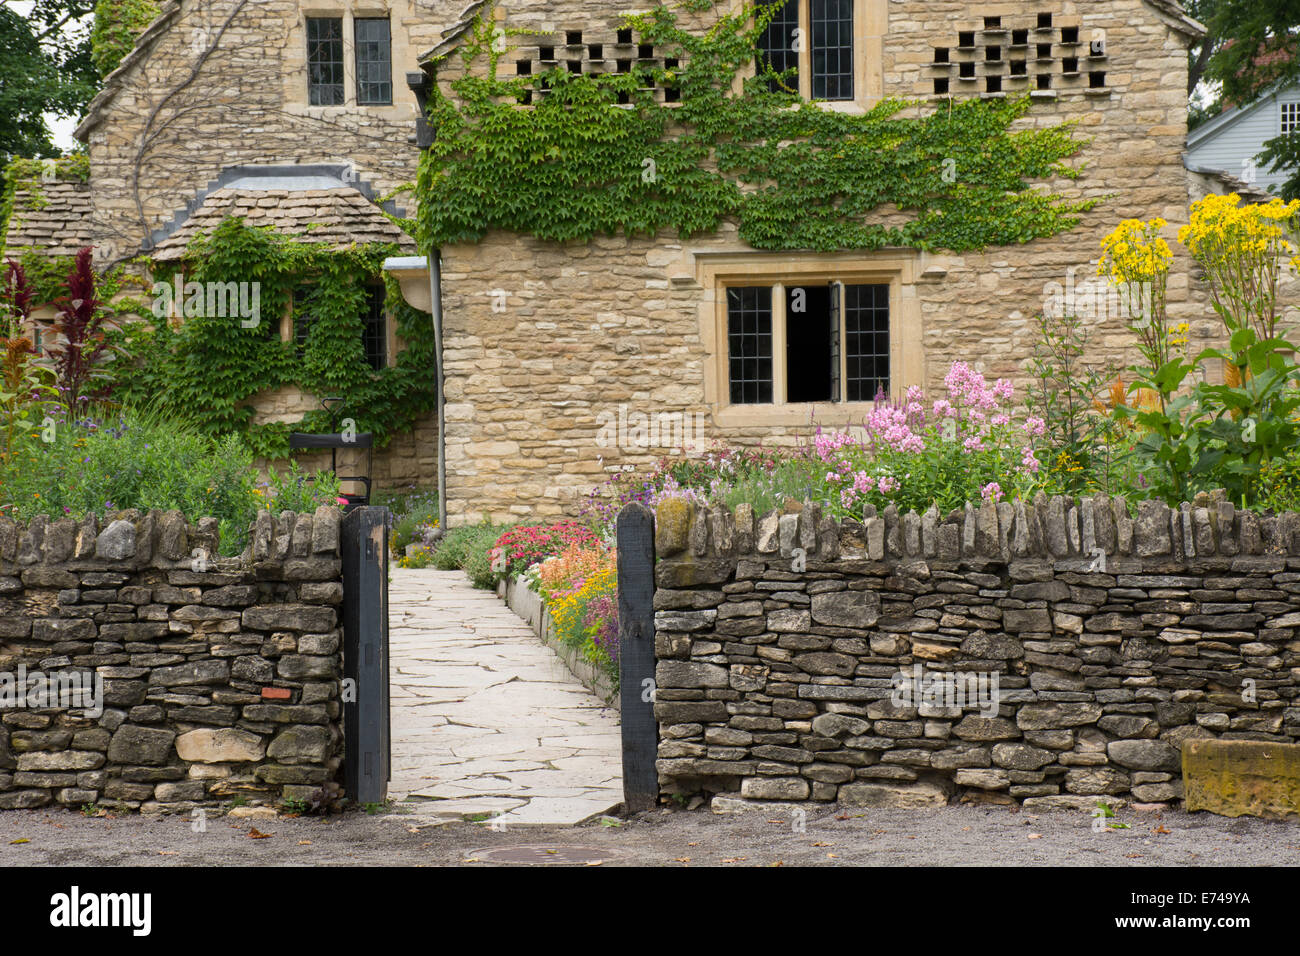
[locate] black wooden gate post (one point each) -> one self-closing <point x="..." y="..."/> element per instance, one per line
<point x="366" y="737"/>
<point x="636" y="656"/>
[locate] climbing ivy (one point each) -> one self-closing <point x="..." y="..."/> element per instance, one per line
<point x="118" y="23"/>
<point x="206" y="369"/>
<point x="794" y="175"/>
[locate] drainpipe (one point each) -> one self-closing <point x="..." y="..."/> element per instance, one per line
<point x="420" y="83"/>
<point x="435" y="306"/>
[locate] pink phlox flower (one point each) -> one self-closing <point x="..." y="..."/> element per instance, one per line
<point x="991" y="492"/>
<point x="1028" y="462"/>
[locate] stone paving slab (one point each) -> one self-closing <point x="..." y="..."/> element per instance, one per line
<point x="487" y="722"/>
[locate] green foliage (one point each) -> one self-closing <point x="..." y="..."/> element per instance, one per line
<point x="1065" y="392"/>
<point x="118" y="23"/>
<point x="115" y="460"/>
<point x="1282" y="153"/>
<point x="206" y="371"/>
<point x="466" y="548"/>
<point x="1203" y="437"/>
<point x="793" y="174"/>
<point x="415" y="515"/>
<point x="1253" y="422"/>
<point x="28" y="174"/>
<point x="46" y="69"/>
<point x="1279" y="481"/>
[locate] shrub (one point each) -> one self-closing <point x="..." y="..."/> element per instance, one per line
<point x="115" y="460"/>
<point x="466" y="548"/>
<point x="1280" y="479"/>
<point x="415" y="516"/>
<point x="1199" y="436"/>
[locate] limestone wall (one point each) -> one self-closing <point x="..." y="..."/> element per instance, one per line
<point x="781" y="642"/>
<point x="217" y="683"/>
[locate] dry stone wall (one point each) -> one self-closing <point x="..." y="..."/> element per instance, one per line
<point x="787" y="646"/>
<point x="207" y="681"/>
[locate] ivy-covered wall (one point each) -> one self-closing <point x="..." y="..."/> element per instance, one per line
<point x="792" y="174"/>
<point x="211" y="369"/>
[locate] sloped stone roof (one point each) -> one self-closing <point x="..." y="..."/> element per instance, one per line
<point x="1175" y="15"/>
<point x="451" y="37"/>
<point x="112" y="84"/>
<point x="52" y="218"/>
<point x="338" y="217"/>
<point x="1225" y="183"/>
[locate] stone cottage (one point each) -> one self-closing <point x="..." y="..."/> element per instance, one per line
<point x="294" y="114"/>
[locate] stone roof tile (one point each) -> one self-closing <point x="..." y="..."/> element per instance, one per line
<point x="50" y="217"/>
<point x="334" y="217"/>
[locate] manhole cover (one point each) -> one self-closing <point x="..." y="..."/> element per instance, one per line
<point x="543" y="855"/>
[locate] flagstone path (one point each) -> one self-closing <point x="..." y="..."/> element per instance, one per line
<point x="487" y="722"/>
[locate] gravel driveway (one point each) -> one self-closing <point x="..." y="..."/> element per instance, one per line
<point x="953" y="836"/>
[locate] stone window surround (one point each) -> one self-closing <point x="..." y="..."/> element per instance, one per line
<point x="401" y="54"/>
<point x="715" y="272"/>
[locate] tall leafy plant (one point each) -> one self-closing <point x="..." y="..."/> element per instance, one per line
<point x="1064" y="392"/>
<point x="81" y="325"/>
<point x="1201" y="434"/>
<point x="1136" y="259"/>
<point x="1243" y="250"/>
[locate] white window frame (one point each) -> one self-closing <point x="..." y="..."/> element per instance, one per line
<point x="1285" y="107"/>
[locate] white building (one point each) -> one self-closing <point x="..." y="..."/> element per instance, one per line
<point x="1233" y="140"/>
